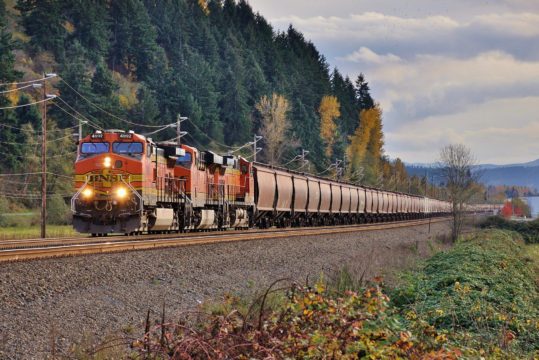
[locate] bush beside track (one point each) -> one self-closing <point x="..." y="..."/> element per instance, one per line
<point x="483" y="295"/>
<point x="478" y="299"/>
<point x="528" y="229"/>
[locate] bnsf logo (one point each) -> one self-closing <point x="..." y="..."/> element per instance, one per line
<point x="107" y="178"/>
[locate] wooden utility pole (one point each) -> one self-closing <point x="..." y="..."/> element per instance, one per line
<point x="44" y="163"/>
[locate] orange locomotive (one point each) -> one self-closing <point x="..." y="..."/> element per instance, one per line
<point x="126" y="183"/>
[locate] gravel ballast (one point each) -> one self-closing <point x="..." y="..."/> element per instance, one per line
<point x="68" y="299"/>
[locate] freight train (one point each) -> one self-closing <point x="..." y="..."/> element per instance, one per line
<point x="127" y="183"/>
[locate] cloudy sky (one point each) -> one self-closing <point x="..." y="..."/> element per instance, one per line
<point x="445" y="71"/>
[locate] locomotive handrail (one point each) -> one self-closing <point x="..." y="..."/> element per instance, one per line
<point x="77" y="194"/>
<point x="141" y="205"/>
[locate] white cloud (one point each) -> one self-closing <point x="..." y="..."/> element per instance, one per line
<point x="518" y="24"/>
<point x="369" y="25"/>
<point x="365" y="54"/>
<point x="498" y="131"/>
<point x="433" y="84"/>
<point x="447" y="71"/>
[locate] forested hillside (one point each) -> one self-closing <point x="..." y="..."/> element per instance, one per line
<point x="134" y="64"/>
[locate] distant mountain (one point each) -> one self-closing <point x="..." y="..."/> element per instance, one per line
<point x="525" y="174"/>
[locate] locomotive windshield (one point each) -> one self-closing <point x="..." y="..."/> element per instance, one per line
<point x="94" y="148"/>
<point x="127" y="148"/>
<point x="185" y="160"/>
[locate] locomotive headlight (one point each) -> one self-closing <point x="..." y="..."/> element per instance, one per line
<point x="107" y="162"/>
<point x="87" y="193"/>
<point x="121" y="193"/>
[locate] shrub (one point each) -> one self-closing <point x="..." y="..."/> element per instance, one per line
<point x="58" y="212"/>
<point x="528" y="229"/>
<point x="312" y="323"/>
<point x="481" y="293"/>
<point x="4" y="208"/>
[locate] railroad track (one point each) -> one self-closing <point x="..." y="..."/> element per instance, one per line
<point x="14" y="250"/>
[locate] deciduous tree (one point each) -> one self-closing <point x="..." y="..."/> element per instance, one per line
<point x="366" y="145"/>
<point x="457" y="163"/>
<point x="275" y="124"/>
<point x="329" y="110"/>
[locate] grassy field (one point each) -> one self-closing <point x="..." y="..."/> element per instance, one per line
<point x="31" y="232"/>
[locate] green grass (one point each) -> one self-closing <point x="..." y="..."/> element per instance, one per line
<point x="30" y="232"/>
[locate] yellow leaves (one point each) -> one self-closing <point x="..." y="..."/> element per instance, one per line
<point x="13" y="96"/>
<point x="69" y="27"/>
<point x="204" y="6"/>
<point x="366" y="144"/>
<point x="124" y="102"/>
<point x="329" y="110"/>
<point x="411" y="315"/>
<point x="275" y="124"/>
<point x="319" y="287"/>
<point x="442" y="338"/>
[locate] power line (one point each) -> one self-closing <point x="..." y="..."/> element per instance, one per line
<point x="105" y="111"/>
<point x="26" y="82"/>
<point x="22" y="174"/>
<point x="209" y="138"/>
<point x="48" y="141"/>
<point x="38" y="173"/>
<point x="91" y="123"/>
<point x="34" y="131"/>
<point x="29" y="104"/>
<point x="161" y="129"/>
<point x="48" y="157"/>
<point x="16" y="89"/>
<point x="76" y="112"/>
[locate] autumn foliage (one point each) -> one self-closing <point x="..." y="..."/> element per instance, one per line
<point x="366" y="144"/>
<point x="273" y="111"/>
<point x="312" y="323"/>
<point x="516" y="207"/>
<point x="329" y="110"/>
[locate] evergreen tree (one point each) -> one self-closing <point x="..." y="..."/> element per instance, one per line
<point x="9" y="150"/>
<point x="43" y="20"/>
<point x="90" y="20"/>
<point x="102" y="82"/>
<point x="77" y="75"/>
<point x="363" y="95"/>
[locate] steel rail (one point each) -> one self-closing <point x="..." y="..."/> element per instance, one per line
<point x="24" y="243"/>
<point x="120" y="245"/>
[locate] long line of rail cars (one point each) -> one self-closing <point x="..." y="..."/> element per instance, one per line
<point x="127" y="183"/>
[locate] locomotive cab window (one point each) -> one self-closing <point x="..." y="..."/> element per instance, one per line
<point x="127" y="148"/>
<point x="92" y="148"/>
<point x="185" y="160"/>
